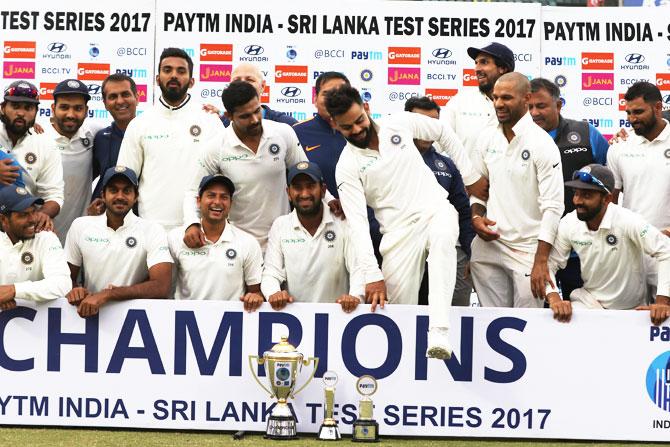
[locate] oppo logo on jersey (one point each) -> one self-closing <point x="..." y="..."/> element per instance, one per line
<point x="575" y="150"/>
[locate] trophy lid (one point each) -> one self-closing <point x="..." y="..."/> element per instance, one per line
<point x="283" y="351"/>
<point x="283" y="346"/>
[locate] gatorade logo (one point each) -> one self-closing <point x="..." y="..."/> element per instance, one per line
<point x="216" y="52"/>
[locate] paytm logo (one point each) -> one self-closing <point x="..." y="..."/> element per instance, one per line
<point x="658" y="381"/>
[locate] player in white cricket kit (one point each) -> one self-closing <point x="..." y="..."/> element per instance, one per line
<point x="73" y="137"/>
<point x="381" y="167"/>
<point x="42" y="169"/>
<point x="230" y="264"/>
<point x="471" y="110"/>
<point x="123" y="256"/>
<point x="310" y="249"/>
<point x="610" y="241"/>
<point x="641" y="164"/>
<point x="32" y="265"/>
<point x="255" y="155"/>
<point x="516" y="227"/>
<point x="165" y="141"/>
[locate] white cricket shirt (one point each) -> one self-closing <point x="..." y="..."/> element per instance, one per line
<point x="259" y="179"/>
<point x="120" y="258"/>
<point x="218" y="270"/>
<point x="612" y="256"/>
<point x="641" y="169"/>
<point x="526" y="183"/>
<point x="469" y="113"/>
<point x="318" y="268"/>
<point x="395" y="181"/>
<point x="36" y="267"/>
<point x="162" y="146"/>
<point x="40" y="159"/>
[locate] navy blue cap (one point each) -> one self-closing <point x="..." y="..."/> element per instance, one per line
<point x="504" y="54"/>
<point x="16" y="198"/>
<point x="72" y="87"/>
<point x="308" y="168"/>
<point x="216" y="178"/>
<point x="119" y="171"/>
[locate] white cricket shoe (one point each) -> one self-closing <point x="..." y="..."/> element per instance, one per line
<point x="438" y="344"/>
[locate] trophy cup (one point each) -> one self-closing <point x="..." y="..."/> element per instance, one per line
<point x="329" y="430"/>
<point x="282" y="366"/>
<point x="366" y="429"/>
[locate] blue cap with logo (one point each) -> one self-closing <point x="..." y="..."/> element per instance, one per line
<point x="16" y="198"/>
<point x="498" y="50"/>
<point x="72" y="87"/>
<point x="308" y="168"/>
<point x="216" y="178"/>
<point x="119" y="171"/>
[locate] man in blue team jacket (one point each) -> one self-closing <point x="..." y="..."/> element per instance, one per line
<point x="448" y="176"/>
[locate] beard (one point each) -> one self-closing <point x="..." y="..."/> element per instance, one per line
<point x="363" y="141"/>
<point x="173" y="93"/>
<point x="13" y="129"/>
<point x="644" y="128"/>
<point x="309" y="211"/>
<point x="588" y="214"/>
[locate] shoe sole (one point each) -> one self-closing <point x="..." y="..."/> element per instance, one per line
<point x="438" y="352"/>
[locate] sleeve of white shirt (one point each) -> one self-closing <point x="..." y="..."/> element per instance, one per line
<point x="478" y="162"/>
<point x="50" y="184"/>
<point x="560" y="252"/>
<point x="208" y="163"/>
<point x="72" y="251"/>
<point x="613" y="164"/>
<point x="352" y="198"/>
<point x="175" y="237"/>
<point x="56" y="282"/>
<point x="550" y="186"/>
<point x="356" y="281"/>
<point x="157" y="246"/>
<point x="274" y="270"/>
<point x="253" y="263"/>
<point x="294" y="152"/>
<point x="655" y="244"/>
<point x="430" y="129"/>
<point x="131" y="153"/>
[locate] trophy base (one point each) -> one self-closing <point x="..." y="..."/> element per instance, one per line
<point x="329" y="432"/>
<point x="365" y="431"/>
<point x="281" y="427"/>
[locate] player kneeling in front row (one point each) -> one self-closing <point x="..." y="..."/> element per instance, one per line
<point x="123" y="256"/>
<point x="310" y="249"/>
<point x="610" y="242"/>
<point x="32" y="265"/>
<point x="230" y="263"/>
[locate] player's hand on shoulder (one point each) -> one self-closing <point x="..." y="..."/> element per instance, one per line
<point x="194" y="237"/>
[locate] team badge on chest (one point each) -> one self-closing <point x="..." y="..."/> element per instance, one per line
<point x="274" y="149"/>
<point x="395" y="139"/>
<point x="329" y="235"/>
<point x="131" y="242"/>
<point x="30" y="158"/>
<point x="525" y="155"/>
<point x="611" y="239"/>
<point x="195" y="130"/>
<point x="27" y="258"/>
<point x="231" y="253"/>
<point x="439" y="164"/>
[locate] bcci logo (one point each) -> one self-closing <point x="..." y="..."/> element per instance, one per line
<point x="195" y="130"/>
<point x="366" y="75"/>
<point x="395" y="139"/>
<point x="86" y="142"/>
<point x="439" y="164"/>
<point x="329" y="235"/>
<point x="27" y="258"/>
<point x="131" y="242"/>
<point x="658" y="381"/>
<point x="560" y="80"/>
<point x="667" y="153"/>
<point x="573" y="137"/>
<point x="274" y="149"/>
<point x="231" y="253"/>
<point x="30" y="158"/>
<point x="525" y="155"/>
<point x="611" y="239"/>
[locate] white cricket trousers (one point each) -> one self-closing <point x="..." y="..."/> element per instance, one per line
<point x="405" y="251"/>
<point x="501" y="275"/>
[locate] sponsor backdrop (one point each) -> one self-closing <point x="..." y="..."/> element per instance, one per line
<point x="184" y="365"/>
<point x="83" y="41"/>
<point x="390" y="53"/>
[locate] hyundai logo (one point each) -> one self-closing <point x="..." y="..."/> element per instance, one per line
<point x="634" y="58"/>
<point x="442" y="53"/>
<point x="254" y="50"/>
<point x="93" y="89"/>
<point x="290" y="92"/>
<point x="57" y="47"/>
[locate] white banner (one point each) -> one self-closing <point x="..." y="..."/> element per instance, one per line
<point x="184" y="365"/>
<point x="78" y="40"/>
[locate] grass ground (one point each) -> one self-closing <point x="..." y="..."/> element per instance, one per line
<point x="55" y="437"/>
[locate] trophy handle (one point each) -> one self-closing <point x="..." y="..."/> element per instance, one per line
<point x="307" y="362"/>
<point x="260" y="361"/>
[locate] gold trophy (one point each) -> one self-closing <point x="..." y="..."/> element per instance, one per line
<point x="366" y="429"/>
<point x="329" y="430"/>
<point x="282" y="366"/>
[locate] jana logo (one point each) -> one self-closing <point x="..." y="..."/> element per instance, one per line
<point x="290" y="92"/>
<point x="442" y="53"/>
<point x="658" y="381"/>
<point x="254" y="50"/>
<point x="57" y="47"/>
<point x="634" y="58"/>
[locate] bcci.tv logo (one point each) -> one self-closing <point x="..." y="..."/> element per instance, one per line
<point x="658" y="381"/>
